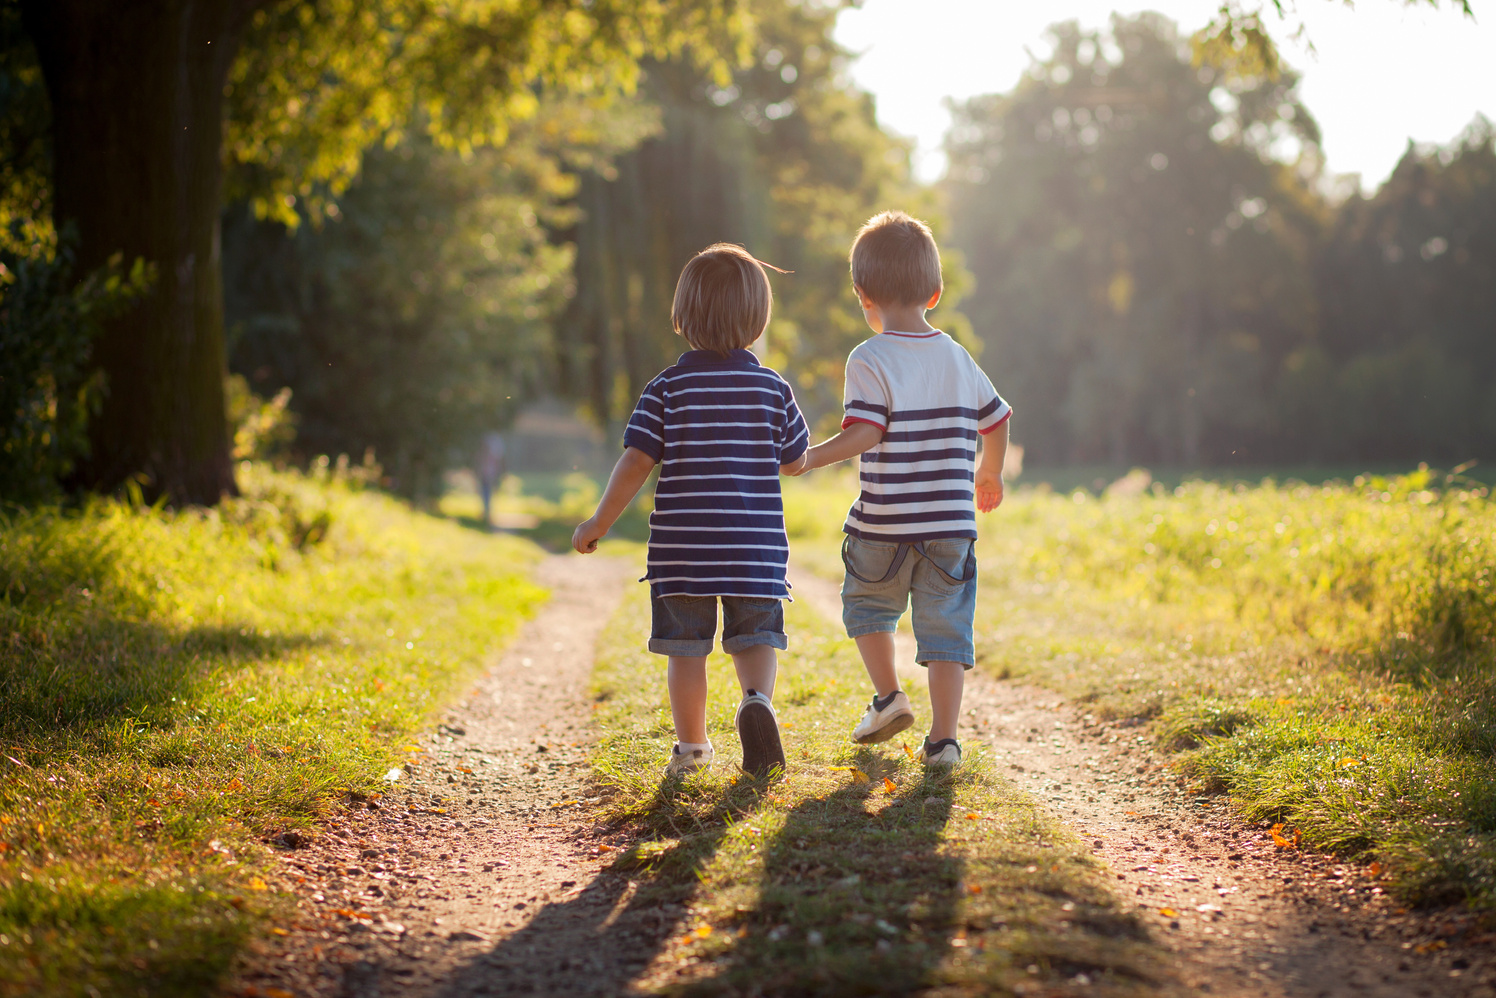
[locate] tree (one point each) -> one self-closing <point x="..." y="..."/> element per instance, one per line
<point x="419" y="315"/>
<point x="786" y="158"/>
<point x="1142" y="261"/>
<point x="137" y="94"/>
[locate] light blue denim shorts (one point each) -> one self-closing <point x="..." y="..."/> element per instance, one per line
<point x="686" y="625"/>
<point x="938" y="578"/>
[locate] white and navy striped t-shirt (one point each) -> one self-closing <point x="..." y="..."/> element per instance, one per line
<point x="720" y="426"/>
<point x="931" y="400"/>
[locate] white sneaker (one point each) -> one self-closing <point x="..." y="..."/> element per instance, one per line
<point x="944" y="753"/>
<point x="885" y="717"/>
<point x="694" y="758"/>
<point x="758" y="730"/>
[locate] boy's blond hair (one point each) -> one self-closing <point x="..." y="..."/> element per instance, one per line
<point x="895" y="260"/>
<point x="722" y="300"/>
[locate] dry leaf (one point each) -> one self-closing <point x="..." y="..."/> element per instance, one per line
<point x="858" y="776"/>
<point x="702" y="931"/>
<point x="256" y="884"/>
<point x="1168" y="912"/>
<point x="907" y="750"/>
<point x="973" y="817"/>
<point x="1285" y="843"/>
<point x="973" y="888"/>
<point x="1349" y="761"/>
<point x="464" y="769"/>
<point x="278" y="993"/>
<point x="1375" y="869"/>
<point x="279" y="931"/>
<point x="889" y="786"/>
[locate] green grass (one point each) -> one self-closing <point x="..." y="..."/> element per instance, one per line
<point x="550" y="506"/>
<point x="1323" y="655"/>
<point x="180" y="686"/>
<point x="825" y="884"/>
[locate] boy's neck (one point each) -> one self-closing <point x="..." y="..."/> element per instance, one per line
<point x="898" y="319"/>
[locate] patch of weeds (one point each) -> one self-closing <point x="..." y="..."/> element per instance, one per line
<point x="859" y="872"/>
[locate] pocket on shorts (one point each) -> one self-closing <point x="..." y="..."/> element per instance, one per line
<point x="870" y="560"/>
<point x="951" y="557"/>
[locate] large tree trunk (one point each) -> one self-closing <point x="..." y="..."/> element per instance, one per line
<point x="137" y="101"/>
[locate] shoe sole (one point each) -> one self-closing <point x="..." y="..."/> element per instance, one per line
<point x="759" y="733"/>
<point x="897" y="723"/>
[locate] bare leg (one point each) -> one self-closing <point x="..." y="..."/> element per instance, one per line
<point x="757" y="667"/>
<point x="686" y="678"/>
<point x="878" y="657"/>
<point x="947" y="682"/>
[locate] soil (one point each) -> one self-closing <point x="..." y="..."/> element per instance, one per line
<point x="480" y="872"/>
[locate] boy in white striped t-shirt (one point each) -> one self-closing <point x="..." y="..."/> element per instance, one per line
<point x="721" y="427"/>
<point x="916" y="405"/>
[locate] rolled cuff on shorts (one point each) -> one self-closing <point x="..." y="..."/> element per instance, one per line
<point x="742" y="642"/>
<point x="681" y="648"/>
<point x="859" y="630"/>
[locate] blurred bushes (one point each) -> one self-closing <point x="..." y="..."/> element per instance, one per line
<point x="48" y="321"/>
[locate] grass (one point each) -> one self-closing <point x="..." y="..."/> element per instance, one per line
<point x="1323" y="655"/>
<point x="549" y="506"/>
<point x="832" y="884"/>
<point x="181" y="687"/>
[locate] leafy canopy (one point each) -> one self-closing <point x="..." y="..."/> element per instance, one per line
<point x="319" y="82"/>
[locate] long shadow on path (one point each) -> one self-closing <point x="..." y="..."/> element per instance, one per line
<point x="600" y="940"/>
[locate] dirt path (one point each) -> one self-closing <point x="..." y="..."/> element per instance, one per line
<point x="1248" y="918"/>
<point x="478" y="873"/>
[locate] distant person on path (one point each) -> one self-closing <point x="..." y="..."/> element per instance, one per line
<point x="915" y="406"/>
<point x="722" y="427"/>
<point x="490" y="471"/>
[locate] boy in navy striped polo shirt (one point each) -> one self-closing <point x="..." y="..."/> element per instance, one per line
<point x="721" y="427"/>
<point x="916" y="405"/>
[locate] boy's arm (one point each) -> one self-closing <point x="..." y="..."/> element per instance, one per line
<point x="629" y="475"/>
<point x="989" y="480"/>
<point x="847" y="444"/>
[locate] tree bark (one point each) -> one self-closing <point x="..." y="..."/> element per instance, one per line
<point x="137" y="106"/>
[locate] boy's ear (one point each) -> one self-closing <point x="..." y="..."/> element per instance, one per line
<point x="862" y="298"/>
<point x="934" y="299"/>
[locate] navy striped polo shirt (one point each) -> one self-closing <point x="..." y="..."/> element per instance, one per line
<point x="719" y="426"/>
<point x="932" y="401"/>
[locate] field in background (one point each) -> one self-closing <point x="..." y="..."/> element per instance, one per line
<point x="1324" y="654"/>
<point x="181" y="687"/>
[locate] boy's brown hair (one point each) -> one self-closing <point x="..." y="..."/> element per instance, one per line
<point x="722" y="300"/>
<point x="895" y="260"/>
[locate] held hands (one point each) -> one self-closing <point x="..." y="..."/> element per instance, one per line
<point x="584" y="539"/>
<point x="989" y="489"/>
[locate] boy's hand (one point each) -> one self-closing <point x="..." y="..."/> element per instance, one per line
<point x="798" y="466"/>
<point x="584" y="539"/>
<point x="989" y="490"/>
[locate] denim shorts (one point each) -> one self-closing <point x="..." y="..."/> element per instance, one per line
<point x="939" y="578"/>
<point x="686" y="625"/>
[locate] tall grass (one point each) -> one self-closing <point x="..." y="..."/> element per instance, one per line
<point x="179" y="686"/>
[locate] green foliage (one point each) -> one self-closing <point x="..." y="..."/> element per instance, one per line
<point x="1405" y="363"/>
<point x="1142" y="263"/>
<point x="785" y="158"/>
<point x="888" y="879"/>
<point x="48" y="321"/>
<point x="318" y="84"/>
<point x="413" y="320"/>
<point x="263" y="429"/>
<point x="25" y="142"/>
<point x="181" y="685"/>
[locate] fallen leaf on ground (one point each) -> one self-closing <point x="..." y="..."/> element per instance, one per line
<point x="703" y="931"/>
<point x="907" y="750"/>
<point x="858" y="776"/>
<point x="566" y="803"/>
<point x="973" y="817"/>
<point x="1349" y="761"/>
<point x="1375" y="869"/>
<point x="278" y="993"/>
<point x="889" y="786"/>
<point x="1285" y="843"/>
<point x="1168" y="912"/>
<point x="256" y="884"/>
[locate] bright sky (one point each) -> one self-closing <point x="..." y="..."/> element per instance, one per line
<point x="1381" y="73"/>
